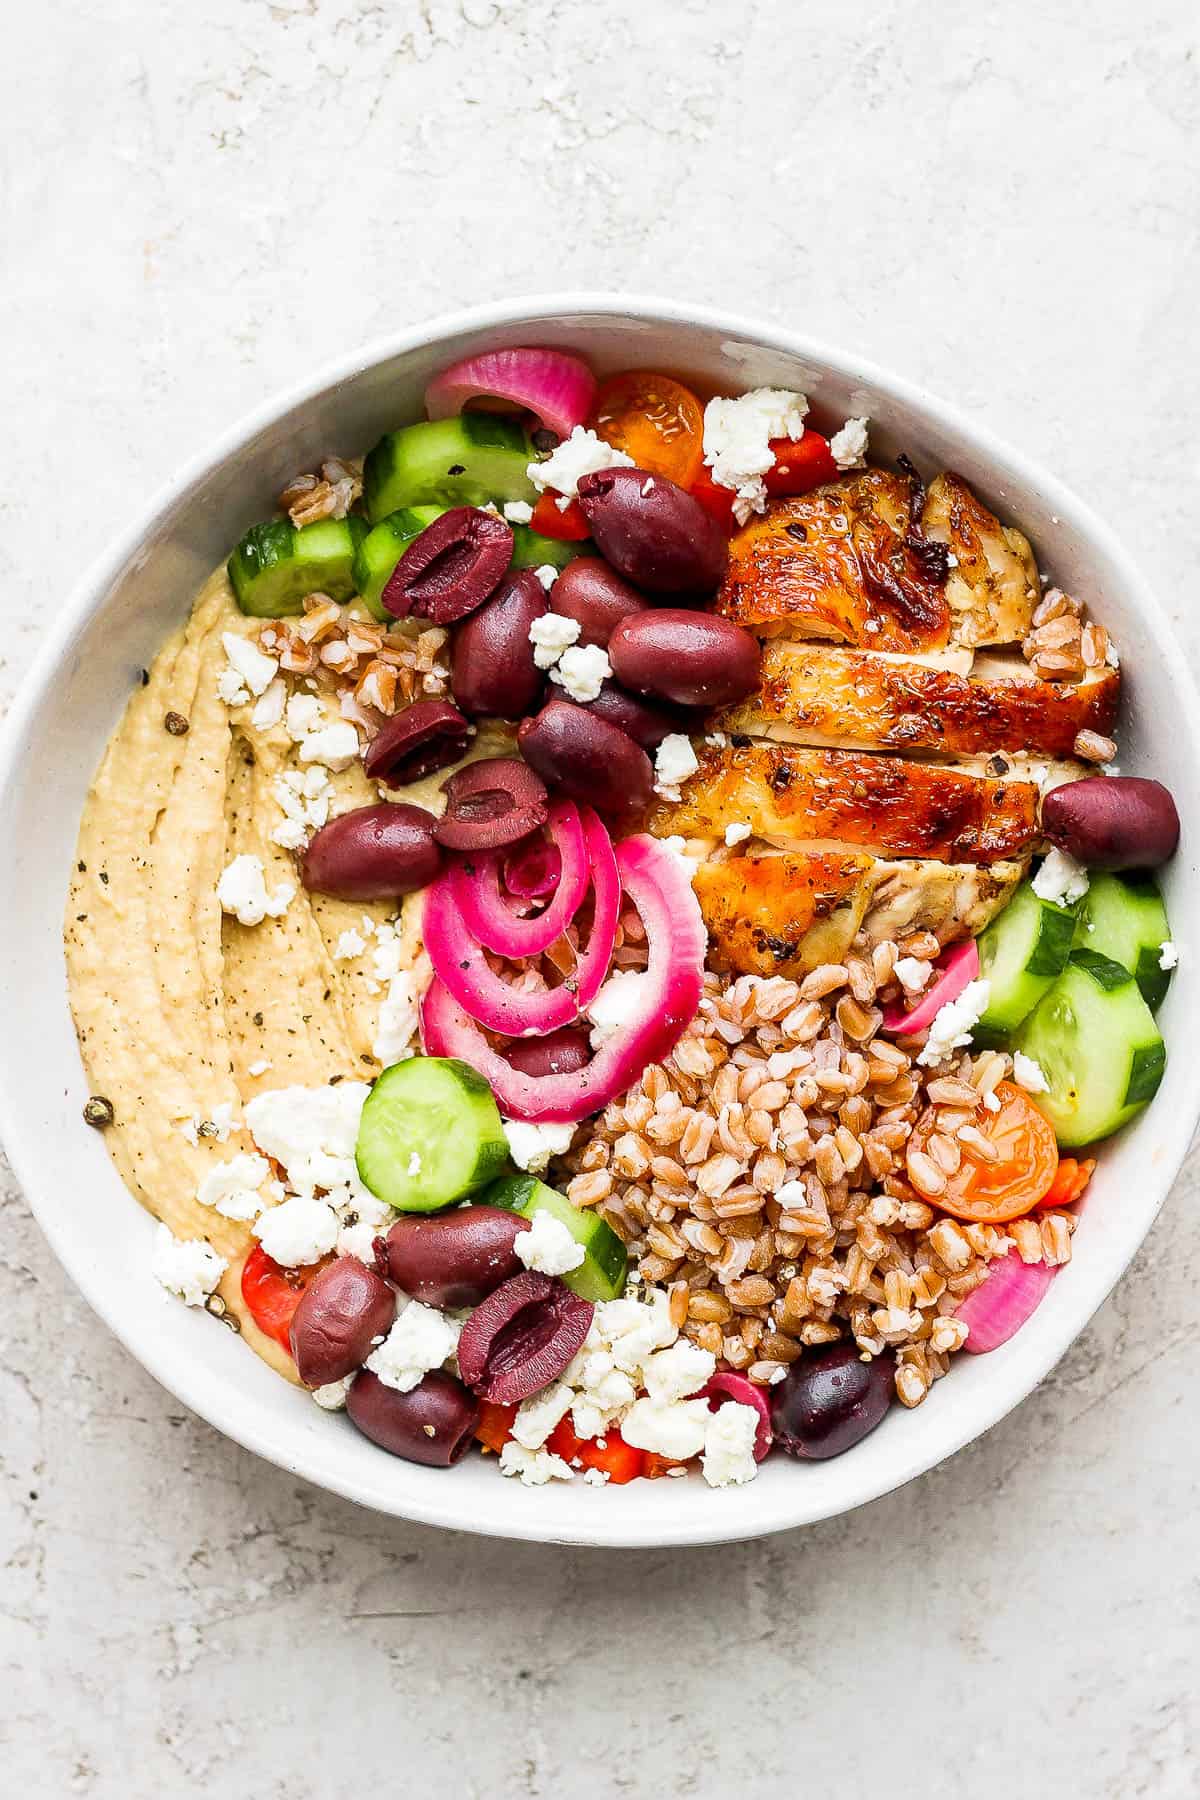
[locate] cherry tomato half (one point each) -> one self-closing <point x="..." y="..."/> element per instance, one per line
<point x="655" y="420"/>
<point x="990" y="1193"/>
<point x="801" y="464"/>
<point x="1069" y="1183"/>
<point x="273" y="1293"/>
<point x="552" y="521"/>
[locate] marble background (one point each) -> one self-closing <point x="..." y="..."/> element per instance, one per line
<point x="200" y="203"/>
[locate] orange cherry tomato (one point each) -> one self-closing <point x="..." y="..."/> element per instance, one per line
<point x="495" y="1425"/>
<point x="273" y="1293"/>
<point x="1068" y="1185"/>
<point x="655" y="420"/>
<point x="801" y="464"/>
<point x="990" y="1193"/>
<point x="717" y="501"/>
<point x="552" y="521"/>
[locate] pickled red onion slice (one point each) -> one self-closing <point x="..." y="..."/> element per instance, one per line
<point x="995" y="1310"/>
<point x="458" y="959"/>
<point x="555" y="386"/>
<point x="475" y="883"/>
<point x="670" y="991"/>
<point x="957" y="968"/>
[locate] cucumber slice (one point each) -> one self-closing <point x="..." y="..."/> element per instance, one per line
<point x="1123" y="916"/>
<point x="448" y="462"/>
<point x="531" y="550"/>
<point x="1098" y="1047"/>
<point x="382" y="549"/>
<point x="1021" y="953"/>
<point x="276" y="564"/>
<point x="435" y="1116"/>
<point x="601" y="1274"/>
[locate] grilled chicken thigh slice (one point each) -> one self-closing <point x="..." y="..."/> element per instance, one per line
<point x="795" y="797"/>
<point x="784" y="913"/>
<point x="819" y="694"/>
<point x="992" y="587"/>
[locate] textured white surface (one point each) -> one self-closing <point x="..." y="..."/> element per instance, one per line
<point x="201" y="203"/>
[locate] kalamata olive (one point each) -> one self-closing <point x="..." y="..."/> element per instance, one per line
<point x="496" y="801"/>
<point x="522" y="1336"/>
<point x="1112" y="821"/>
<point x="592" y="593"/>
<point x="561" y="1052"/>
<point x="451" y="568"/>
<point x="532" y="870"/>
<point x="492" y="671"/>
<point x="654" y="533"/>
<point x="425" y="737"/>
<point x="646" y="724"/>
<point x="692" y="658"/>
<point x="373" y="853"/>
<point x="454" y="1258"/>
<point x="433" y="1423"/>
<point x="830" y="1400"/>
<point x="342" y="1310"/>
<point x="587" y="758"/>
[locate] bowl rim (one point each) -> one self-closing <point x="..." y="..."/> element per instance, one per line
<point x="189" y="1384"/>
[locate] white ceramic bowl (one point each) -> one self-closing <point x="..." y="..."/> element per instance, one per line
<point x="111" y="627"/>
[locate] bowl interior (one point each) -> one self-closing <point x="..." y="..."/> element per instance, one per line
<point x="111" y="629"/>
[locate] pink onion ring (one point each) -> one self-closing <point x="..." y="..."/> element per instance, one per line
<point x="1000" y="1305"/>
<point x="671" y="986"/>
<point x="475" y="883"/>
<point x="725" y="1385"/>
<point x="458" y="959"/>
<point x="958" y="968"/>
<point x="555" y="386"/>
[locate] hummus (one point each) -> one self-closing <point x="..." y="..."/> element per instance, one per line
<point x="184" y="1014"/>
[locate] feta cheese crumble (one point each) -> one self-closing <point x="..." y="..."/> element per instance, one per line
<point x="674" y="1428"/>
<point x="242" y="891"/>
<point x="269" y="709"/>
<point x="679" y="1371"/>
<point x="332" y="742"/>
<point x="728" y="1456"/>
<point x="616" y="1005"/>
<point x="737" y="441"/>
<point x="736" y="834"/>
<point x="251" y="670"/>
<point x="913" y="974"/>
<point x="848" y="447"/>
<point x="420" y="1339"/>
<point x="303" y="797"/>
<point x="298" y="1231"/>
<point x="186" y="1267"/>
<point x="350" y="944"/>
<point x="582" y="670"/>
<point x="550" y="636"/>
<point x="952" y="1027"/>
<point x="1061" y="879"/>
<point x="1168" y="955"/>
<point x="674" y="761"/>
<point x="548" y="1246"/>
<point x="233" y="1188"/>
<point x="518" y="512"/>
<point x="537" y="1417"/>
<point x="532" y="1146"/>
<point x="1029" y="1074"/>
<point x="547" y="574"/>
<point x="580" y="454"/>
<point x="534" y="1467"/>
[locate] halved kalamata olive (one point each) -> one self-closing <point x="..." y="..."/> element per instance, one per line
<point x="492" y="671"/>
<point x="451" y="568"/>
<point x="342" y="1310"/>
<point x="417" y="742"/>
<point x="433" y="1423"/>
<point x="373" y="853"/>
<point x="496" y="801"/>
<point x="561" y="1052"/>
<point x="588" y="758"/>
<point x="692" y="658"/>
<point x="654" y="533"/>
<point x="645" y="723"/>
<point x="830" y="1400"/>
<point x="594" y="595"/>
<point x="454" y="1258"/>
<point x="521" y="1337"/>
<point x="1112" y="821"/>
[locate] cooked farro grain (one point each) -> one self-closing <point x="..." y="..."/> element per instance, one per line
<point x="764" y="1175"/>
